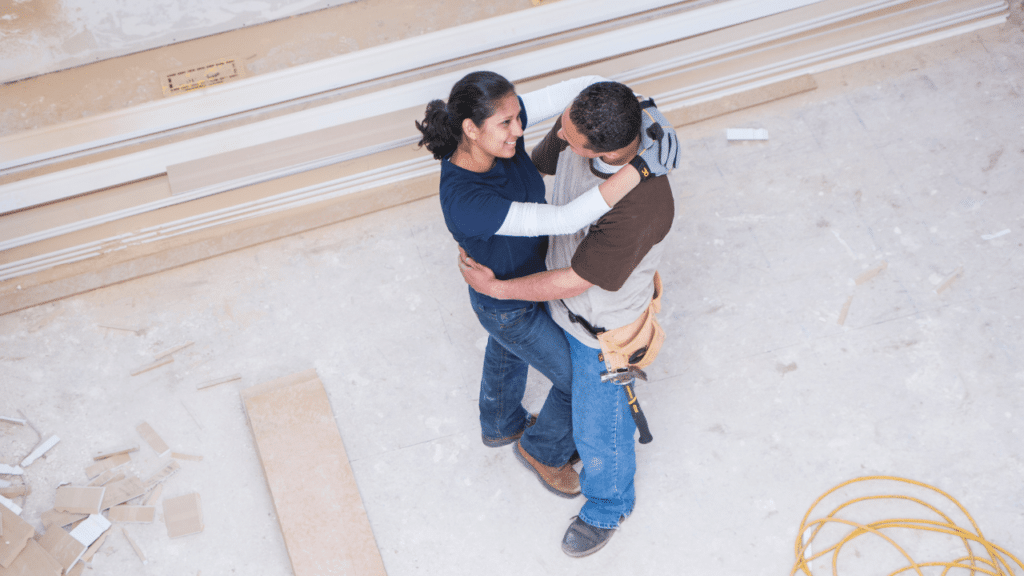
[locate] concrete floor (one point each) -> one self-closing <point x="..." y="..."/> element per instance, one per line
<point x="760" y="402"/>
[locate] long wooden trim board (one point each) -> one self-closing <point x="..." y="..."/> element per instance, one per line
<point x="318" y="506"/>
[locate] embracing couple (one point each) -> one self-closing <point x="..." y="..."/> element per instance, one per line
<point x="590" y="255"/>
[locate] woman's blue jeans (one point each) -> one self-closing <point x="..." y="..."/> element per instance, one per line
<point x="520" y="338"/>
<point x="604" y="430"/>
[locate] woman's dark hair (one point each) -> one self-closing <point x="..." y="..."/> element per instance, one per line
<point x="472" y="97"/>
<point x="608" y="114"/>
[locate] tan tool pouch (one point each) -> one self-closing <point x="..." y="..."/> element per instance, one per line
<point x="636" y="344"/>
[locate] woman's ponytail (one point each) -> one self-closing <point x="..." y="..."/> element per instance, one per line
<point x="473" y="97"/>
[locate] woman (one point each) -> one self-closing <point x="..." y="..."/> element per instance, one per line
<point x="492" y="197"/>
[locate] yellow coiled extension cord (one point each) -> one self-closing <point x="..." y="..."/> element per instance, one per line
<point x="995" y="561"/>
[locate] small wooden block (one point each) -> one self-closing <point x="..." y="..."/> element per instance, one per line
<point x="168" y="352"/>
<point x="135" y="546"/>
<point x="33" y="561"/>
<point x="52" y="518"/>
<point x="17" y="533"/>
<point x="64" y="549"/>
<point x="40" y="450"/>
<point x="154" y="496"/>
<point x="122" y="491"/>
<point x="124" y="513"/>
<point x="163" y="473"/>
<point x="217" y="381"/>
<point x="15" y="492"/>
<point x="153" y="439"/>
<point x="90" y="529"/>
<point x="107" y="464"/>
<point x="180" y="456"/>
<point x="79" y="499"/>
<point x="845" y="311"/>
<point x="108" y="453"/>
<point x="183" y="515"/>
<point x="869" y="274"/>
<point x="152" y="365"/>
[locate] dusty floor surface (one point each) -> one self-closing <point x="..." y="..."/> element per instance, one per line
<point x="760" y="402"/>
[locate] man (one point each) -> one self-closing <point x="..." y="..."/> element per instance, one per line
<point x="598" y="280"/>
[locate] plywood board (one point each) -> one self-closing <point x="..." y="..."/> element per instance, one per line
<point x="79" y="499"/>
<point x="123" y="491"/>
<point x="153" y="439"/>
<point x="183" y="515"/>
<point x="53" y="518"/>
<point x="17" y="533"/>
<point x="320" y="512"/>
<point x="33" y="561"/>
<point x="107" y="464"/>
<point x="64" y="549"/>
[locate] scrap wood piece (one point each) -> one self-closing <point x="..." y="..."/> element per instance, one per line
<point x="125" y="513"/>
<point x="183" y="515"/>
<point x="871" y="273"/>
<point x="65" y="549"/>
<point x="15" y="492"/>
<point x="107" y="464"/>
<point x="115" y="451"/>
<point x="122" y="491"/>
<point x="94" y="547"/>
<point x="9" y="470"/>
<point x="90" y="529"/>
<point x="181" y="456"/>
<point x="10" y="505"/>
<point x="107" y="477"/>
<point x="147" y="367"/>
<point x="60" y="519"/>
<point x="216" y="381"/>
<point x="33" y="560"/>
<point x="39" y="451"/>
<point x="79" y="499"/>
<point x="292" y="422"/>
<point x="949" y="279"/>
<point x="170" y="351"/>
<point x="154" y="496"/>
<point x="153" y="439"/>
<point x="76" y="570"/>
<point x="163" y="473"/>
<point x="17" y="533"/>
<point x="135" y="546"/>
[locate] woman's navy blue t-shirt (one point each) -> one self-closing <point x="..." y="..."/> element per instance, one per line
<point x="475" y="205"/>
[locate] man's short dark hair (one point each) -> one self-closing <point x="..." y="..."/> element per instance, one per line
<point x="608" y="114"/>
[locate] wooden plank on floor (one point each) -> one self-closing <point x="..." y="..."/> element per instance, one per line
<point x="321" y="514"/>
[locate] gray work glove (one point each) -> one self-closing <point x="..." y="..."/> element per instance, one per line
<point x="659" y="147"/>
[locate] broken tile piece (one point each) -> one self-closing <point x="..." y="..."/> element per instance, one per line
<point x="114" y="452"/>
<point x="126" y="513"/>
<point x="163" y="473"/>
<point x="11" y="470"/>
<point x="16" y="533"/>
<point x="40" y="450"/>
<point x="52" y="518"/>
<point x="122" y="491"/>
<point x="135" y="546"/>
<point x="79" y="499"/>
<point x="107" y="464"/>
<point x="33" y="561"/>
<point x="746" y="134"/>
<point x="153" y="439"/>
<point x="62" y="546"/>
<point x="10" y="505"/>
<point x="90" y="529"/>
<point x="183" y="515"/>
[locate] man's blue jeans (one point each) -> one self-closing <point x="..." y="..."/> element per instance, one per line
<point x="520" y="338"/>
<point x="603" y="429"/>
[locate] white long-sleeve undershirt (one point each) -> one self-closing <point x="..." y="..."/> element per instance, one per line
<point x="533" y="219"/>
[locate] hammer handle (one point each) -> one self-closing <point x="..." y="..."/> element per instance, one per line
<point x="638" y="415"/>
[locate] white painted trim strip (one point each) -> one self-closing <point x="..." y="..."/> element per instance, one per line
<point x="140" y="165"/>
<point x="321" y="76"/>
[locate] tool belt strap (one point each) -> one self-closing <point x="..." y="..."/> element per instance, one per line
<point x="638" y="343"/>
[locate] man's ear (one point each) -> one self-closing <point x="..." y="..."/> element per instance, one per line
<point x="471" y="130"/>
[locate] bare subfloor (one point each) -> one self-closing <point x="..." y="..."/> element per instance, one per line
<point x="761" y="400"/>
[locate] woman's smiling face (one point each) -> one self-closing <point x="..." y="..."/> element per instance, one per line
<point x="499" y="132"/>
